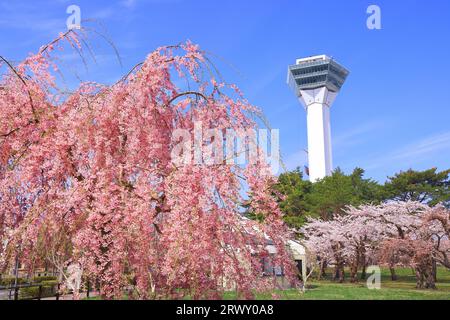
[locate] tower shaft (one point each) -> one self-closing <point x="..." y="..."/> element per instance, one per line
<point x="316" y="81"/>
<point x="317" y="103"/>
<point x="319" y="141"/>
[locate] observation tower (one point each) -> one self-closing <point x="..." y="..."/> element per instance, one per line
<point x="316" y="81"/>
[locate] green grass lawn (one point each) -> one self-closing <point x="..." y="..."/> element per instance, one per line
<point x="332" y="291"/>
<point x="402" y="289"/>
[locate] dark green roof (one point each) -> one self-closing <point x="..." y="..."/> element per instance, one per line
<point x="315" y="74"/>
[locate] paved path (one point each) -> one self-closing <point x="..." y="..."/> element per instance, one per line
<point x="70" y="296"/>
<point x="4" y="293"/>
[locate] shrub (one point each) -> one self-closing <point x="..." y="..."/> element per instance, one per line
<point x="49" y="289"/>
<point x="44" y="278"/>
<point x="10" y="280"/>
<point x="28" y="293"/>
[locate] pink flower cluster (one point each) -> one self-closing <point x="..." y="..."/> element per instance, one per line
<point x="394" y="233"/>
<point x="88" y="178"/>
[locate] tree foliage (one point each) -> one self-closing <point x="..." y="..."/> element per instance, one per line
<point x="393" y="234"/>
<point x="293" y="191"/>
<point x="326" y="198"/>
<point x="333" y="194"/>
<point x="330" y="196"/>
<point x="429" y="186"/>
<point x="87" y="178"/>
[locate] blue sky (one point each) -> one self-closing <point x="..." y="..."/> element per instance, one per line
<point x="392" y="114"/>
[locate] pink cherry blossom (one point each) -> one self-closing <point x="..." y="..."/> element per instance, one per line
<point x="87" y="178"/>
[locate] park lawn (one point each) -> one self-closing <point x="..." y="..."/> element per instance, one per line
<point x="333" y="291"/>
<point x="402" y="289"/>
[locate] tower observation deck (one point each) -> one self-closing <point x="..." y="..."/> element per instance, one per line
<point x="316" y="81"/>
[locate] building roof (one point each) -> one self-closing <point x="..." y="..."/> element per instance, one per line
<point x="315" y="72"/>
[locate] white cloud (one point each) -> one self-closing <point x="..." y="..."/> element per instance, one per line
<point x="128" y="3"/>
<point x="426" y="147"/>
<point x="356" y="135"/>
<point x="432" y="147"/>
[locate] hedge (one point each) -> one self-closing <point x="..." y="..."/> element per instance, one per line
<point x="9" y="281"/>
<point x="43" y="278"/>
<point x="49" y="289"/>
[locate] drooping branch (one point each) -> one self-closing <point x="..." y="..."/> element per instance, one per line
<point x="187" y="93"/>
<point x="10" y="66"/>
<point x="63" y="36"/>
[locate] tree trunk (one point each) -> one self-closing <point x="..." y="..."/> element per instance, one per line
<point x="339" y="274"/>
<point x="434" y="271"/>
<point x="354" y="272"/>
<point x="430" y="275"/>
<point x="322" y="271"/>
<point x="354" y="275"/>
<point x="336" y="273"/>
<point x="393" y="275"/>
<point x="363" y="272"/>
<point x="425" y="277"/>
<point x="419" y="280"/>
<point x="430" y="282"/>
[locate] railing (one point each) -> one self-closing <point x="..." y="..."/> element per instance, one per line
<point x="16" y="291"/>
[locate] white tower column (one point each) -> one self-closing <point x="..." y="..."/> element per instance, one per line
<point x="316" y="81"/>
<point x="317" y="103"/>
<point x="319" y="144"/>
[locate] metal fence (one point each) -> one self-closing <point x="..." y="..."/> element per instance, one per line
<point x="13" y="292"/>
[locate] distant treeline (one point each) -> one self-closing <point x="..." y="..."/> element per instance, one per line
<point x="299" y="198"/>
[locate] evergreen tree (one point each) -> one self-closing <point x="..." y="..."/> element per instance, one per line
<point x="293" y="191"/>
<point x="429" y="186"/>
<point x="300" y="199"/>
<point x="331" y="195"/>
